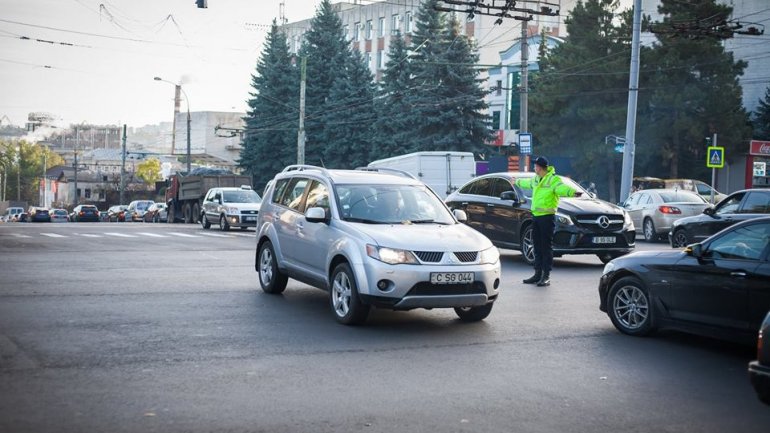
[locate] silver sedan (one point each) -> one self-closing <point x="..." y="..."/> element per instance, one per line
<point x="655" y="210"/>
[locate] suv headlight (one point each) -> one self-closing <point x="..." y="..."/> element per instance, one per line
<point x="233" y="211"/>
<point x="489" y="256"/>
<point x="563" y="219"/>
<point x="627" y="221"/>
<point x="391" y="256"/>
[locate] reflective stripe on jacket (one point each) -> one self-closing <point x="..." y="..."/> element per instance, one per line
<point x="545" y="192"/>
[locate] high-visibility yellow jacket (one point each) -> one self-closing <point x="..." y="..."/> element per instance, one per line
<point x="545" y="192"/>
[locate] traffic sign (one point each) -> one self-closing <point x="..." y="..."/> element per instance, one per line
<point x="525" y="143"/>
<point x="715" y="157"/>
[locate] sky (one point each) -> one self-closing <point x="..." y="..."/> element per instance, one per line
<point x="93" y="61"/>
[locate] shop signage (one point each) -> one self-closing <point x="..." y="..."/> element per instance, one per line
<point x="760" y="168"/>
<point x="760" y="148"/>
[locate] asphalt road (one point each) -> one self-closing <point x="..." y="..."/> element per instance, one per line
<point x="131" y="327"/>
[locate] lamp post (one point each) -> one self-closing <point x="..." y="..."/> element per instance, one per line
<point x="178" y="88"/>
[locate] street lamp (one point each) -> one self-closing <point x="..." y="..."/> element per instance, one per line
<point x="178" y="88"/>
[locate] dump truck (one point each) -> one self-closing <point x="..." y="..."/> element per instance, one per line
<point x="185" y="193"/>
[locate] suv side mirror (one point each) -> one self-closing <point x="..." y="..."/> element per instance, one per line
<point x="510" y="195"/>
<point x="460" y="215"/>
<point x="316" y="215"/>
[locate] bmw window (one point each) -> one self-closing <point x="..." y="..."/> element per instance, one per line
<point x="745" y="243"/>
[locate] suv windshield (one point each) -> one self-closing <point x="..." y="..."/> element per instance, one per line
<point x="388" y="204"/>
<point x="244" y="196"/>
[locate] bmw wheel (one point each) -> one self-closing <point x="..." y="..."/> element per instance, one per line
<point x="680" y="239"/>
<point x="474" y="314"/>
<point x="649" y="230"/>
<point x="271" y="279"/>
<point x="630" y="309"/>
<point x="343" y="297"/>
<point x="528" y="246"/>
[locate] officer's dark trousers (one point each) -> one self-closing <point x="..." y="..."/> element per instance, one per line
<point x="542" y="238"/>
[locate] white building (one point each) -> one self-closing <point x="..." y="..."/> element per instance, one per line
<point x="215" y="137"/>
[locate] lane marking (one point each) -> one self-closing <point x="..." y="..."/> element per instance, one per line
<point x="154" y="235"/>
<point x="216" y="235"/>
<point x="184" y="235"/>
<point x="90" y="235"/>
<point x="53" y="235"/>
<point x="20" y="235"/>
<point x="120" y="235"/>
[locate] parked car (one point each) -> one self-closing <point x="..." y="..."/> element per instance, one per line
<point x="84" y="213"/>
<point x="230" y="207"/>
<point x="136" y="209"/>
<point x="759" y="370"/>
<point x="38" y="215"/>
<point x="117" y="213"/>
<point x="719" y="287"/>
<point x="157" y="212"/>
<point x="738" y="206"/>
<point x="372" y="237"/>
<point x="584" y="225"/>
<point x="655" y="210"/>
<point x="693" y="185"/>
<point x="11" y="214"/>
<point x="59" y="216"/>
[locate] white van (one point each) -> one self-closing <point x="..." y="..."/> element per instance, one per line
<point x="12" y="213"/>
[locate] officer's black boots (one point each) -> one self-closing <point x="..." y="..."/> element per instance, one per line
<point x="534" y="279"/>
<point x="545" y="280"/>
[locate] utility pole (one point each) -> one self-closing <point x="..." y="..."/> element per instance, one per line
<point x="18" y="177"/>
<point x="77" y="144"/>
<point x="123" y="166"/>
<point x="629" y="150"/>
<point x="177" y="96"/>
<point x="524" y="89"/>
<point x="301" y="132"/>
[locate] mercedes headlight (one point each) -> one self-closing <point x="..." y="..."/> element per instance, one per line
<point x="489" y="256"/>
<point x="627" y="221"/>
<point x="563" y="219"/>
<point x="391" y="256"/>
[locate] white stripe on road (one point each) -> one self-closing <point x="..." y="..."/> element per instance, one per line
<point x="53" y="235"/>
<point x="120" y="235"/>
<point x="184" y="235"/>
<point x="154" y="235"/>
<point x="90" y="235"/>
<point x="20" y="235"/>
<point x="216" y="235"/>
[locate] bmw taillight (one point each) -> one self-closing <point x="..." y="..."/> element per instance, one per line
<point x="670" y="210"/>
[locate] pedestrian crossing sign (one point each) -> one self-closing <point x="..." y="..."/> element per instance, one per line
<point x="715" y="157"/>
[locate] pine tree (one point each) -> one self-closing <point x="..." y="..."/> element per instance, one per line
<point x="393" y="131"/>
<point x="324" y="47"/>
<point x="579" y="95"/>
<point x="346" y="134"/>
<point x="271" y="122"/>
<point x="762" y="118"/>
<point x="695" y="93"/>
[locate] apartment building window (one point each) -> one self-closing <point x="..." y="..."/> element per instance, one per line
<point x="368" y="60"/>
<point x="368" y="29"/>
<point x="408" y="22"/>
<point x="496" y="120"/>
<point x="381" y="27"/>
<point x="379" y="60"/>
<point x="357" y="32"/>
<point x="395" y="20"/>
<point x="88" y="192"/>
<point x="499" y="87"/>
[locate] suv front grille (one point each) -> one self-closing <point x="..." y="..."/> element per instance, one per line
<point x="615" y="222"/>
<point x="429" y="256"/>
<point x="466" y="256"/>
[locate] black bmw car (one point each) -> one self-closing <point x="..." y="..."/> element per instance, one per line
<point x="584" y="225"/>
<point x="718" y="288"/>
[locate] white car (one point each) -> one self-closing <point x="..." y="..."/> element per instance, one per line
<point x="230" y="207"/>
<point x="373" y="237"/>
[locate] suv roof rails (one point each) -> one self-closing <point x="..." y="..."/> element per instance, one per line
<point x="301" y="167"/>
<point x="391" y="170"/>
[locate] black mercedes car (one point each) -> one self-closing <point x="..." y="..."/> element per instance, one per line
<point x="718" y="288"/>
<point x="738" y="206"/>
<point x="584" y="225"/>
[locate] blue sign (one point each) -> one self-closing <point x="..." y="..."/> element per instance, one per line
<point x="525" y="143"/>
<point x="716" y="157"/>
<point x="620" y="147"/>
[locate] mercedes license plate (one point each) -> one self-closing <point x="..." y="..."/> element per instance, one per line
<point x="451" y="277"/>
<point x="604" y="240"/>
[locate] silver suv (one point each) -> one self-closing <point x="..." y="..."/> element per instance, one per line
<point x="230" y="207"/>
<point x="372" y="237"/>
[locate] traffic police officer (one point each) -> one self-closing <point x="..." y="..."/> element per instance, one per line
<point x="546" y="188"/>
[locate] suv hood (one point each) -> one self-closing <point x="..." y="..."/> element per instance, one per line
<point x="425" y="237"/>
<point x="574" y="206"/>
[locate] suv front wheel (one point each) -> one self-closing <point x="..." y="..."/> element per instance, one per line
<point x="474" y="314"/>
<point x="343" y="297"/>
<point x="271" y="279"/>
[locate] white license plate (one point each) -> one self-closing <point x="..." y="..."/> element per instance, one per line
<point x="451" y="277"/>
<point x="249" y="218"/>
<point x="604" y="240"/>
